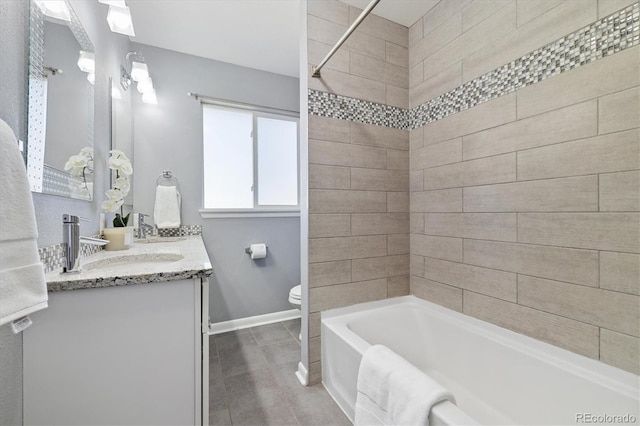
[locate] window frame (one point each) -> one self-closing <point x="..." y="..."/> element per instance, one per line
<point x="257" y="210"/>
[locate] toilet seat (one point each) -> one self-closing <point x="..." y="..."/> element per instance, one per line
<point x="295" y="295"/>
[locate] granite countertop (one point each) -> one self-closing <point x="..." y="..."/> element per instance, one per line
<point x="163" y="259"/>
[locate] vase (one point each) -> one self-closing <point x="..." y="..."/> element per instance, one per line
<point x="119" y="238"/>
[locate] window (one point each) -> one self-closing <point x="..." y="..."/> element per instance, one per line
<point x="250" y="160"/>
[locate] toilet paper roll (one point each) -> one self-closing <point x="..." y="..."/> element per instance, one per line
<point x="258" y="251"/>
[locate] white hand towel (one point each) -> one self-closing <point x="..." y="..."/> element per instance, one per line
<point x="166" y="213"/>
<point x="23" y="289"/>
<point x="391" y="391"/>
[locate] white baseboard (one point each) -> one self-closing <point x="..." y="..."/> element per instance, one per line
<point x="239" y="324"/>
<point x="302" y="374"/>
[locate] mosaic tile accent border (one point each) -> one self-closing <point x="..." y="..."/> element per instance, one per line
<point x="183" y="231"/>
<point x="53" y="257"/>
<point x="605" y="37"/>
<point x="351" y="109"/>
<point x="609" y="35"/>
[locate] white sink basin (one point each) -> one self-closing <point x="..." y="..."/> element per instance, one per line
<point x="159" y="240"/>
<point x="123" y="263"/>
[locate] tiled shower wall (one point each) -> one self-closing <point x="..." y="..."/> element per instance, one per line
<point x="524" y="196"/>
<point x="358" y="173"/>
<point x="524" y="209"/>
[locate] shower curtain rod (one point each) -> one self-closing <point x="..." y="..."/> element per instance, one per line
<point x="352" y="28"/>
<point x="250" y="107"/>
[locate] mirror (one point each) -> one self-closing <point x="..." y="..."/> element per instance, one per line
<point x="61" y="98"/>
<point x="122" y="127"/>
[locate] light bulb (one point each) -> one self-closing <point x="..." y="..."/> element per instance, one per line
<point x="149" y="97"/>
<point x="119" y="19"/>
<point x="145" y="85"/>
<point x="139" y="71"/>
<point x="86" y="61"/>
<point x="55" y="9"/>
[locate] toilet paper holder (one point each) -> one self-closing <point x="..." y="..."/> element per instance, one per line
<point x="249" y="251"/>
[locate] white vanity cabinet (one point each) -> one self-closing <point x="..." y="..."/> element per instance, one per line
<point x="124" y="354"/>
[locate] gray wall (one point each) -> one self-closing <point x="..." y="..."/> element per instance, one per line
<point x="110" y="50"/>
<point x="169" y="136"/>
<point x="241" y="287"/>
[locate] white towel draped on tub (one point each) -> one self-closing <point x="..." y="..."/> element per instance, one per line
<point x="391" y="391"/>
<point x="23" y="289"/>
<point x="166" y="213"/>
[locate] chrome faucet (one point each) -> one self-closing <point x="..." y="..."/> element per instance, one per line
<point x="142" y="226"/>
<point x="71" y="240"/>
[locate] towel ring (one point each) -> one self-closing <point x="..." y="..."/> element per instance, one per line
<point x="167" y="179"/>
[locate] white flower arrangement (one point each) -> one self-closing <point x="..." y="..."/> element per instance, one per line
<point x="121" y="164"/>
<point x="80" y="166"/>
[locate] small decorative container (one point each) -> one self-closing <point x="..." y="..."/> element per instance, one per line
<point x="119" y="238"/>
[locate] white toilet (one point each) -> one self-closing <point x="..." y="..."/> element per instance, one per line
<point x="295" y="296"/>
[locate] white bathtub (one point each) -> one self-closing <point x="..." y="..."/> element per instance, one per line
<point x="496" y="375"/>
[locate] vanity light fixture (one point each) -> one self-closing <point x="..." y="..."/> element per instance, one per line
<point x="87" y="62"/>
<point x="139" y="71"/>
<point x="145" y="85"/>
<point x="119" y="19"/>
<point x="149" y="97"/>
<point x="55" y="9"/>
<point x="125" y="75"/>
<point x="140" y="74"/>
<point x="125" y="78"/>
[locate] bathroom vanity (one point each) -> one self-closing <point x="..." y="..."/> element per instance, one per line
<point x="125" y="341"/>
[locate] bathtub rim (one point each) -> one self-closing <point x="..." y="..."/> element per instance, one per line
<point x="613" y="378"/>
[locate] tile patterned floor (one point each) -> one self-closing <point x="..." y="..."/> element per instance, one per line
<point x="252" y="381"/>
